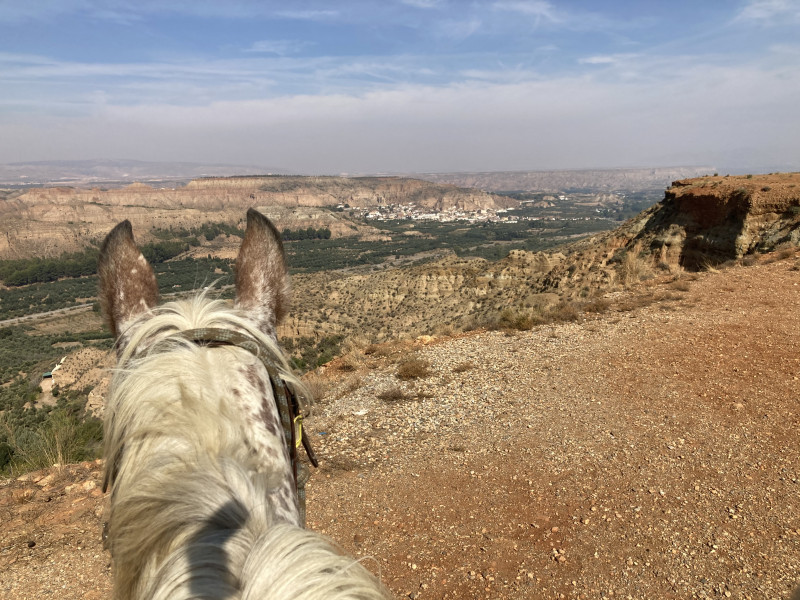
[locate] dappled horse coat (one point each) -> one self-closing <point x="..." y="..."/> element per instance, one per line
<point x="203" y="497"/>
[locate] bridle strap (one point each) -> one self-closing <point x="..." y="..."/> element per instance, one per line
<point x="291" y="407"/>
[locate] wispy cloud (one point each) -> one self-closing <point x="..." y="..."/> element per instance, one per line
<point x="534" y="124"/>
<point x="137" y="10"/>
<point x="279" y="47"/>
<point x="423" y="3"/>
<point x="255" y="74"/>
<point x="546" y="15"/>
<point x="398" y="84"/>
<point x="542" y="11"/>
<point x="598" y="60"/>
<point x="17" y="12"/>
<point x="459" y="30"/>
<point x="608" y="59"/>
<point x="770" y="11"/>
<point x="307" y="15"/>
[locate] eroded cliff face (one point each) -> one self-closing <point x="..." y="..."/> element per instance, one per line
<point x="714" y="219"/>
<point x="48" y="221"/>
<point x="358" y="192"/>
<point x="47" y="224"/>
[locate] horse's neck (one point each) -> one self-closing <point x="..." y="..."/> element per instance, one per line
<point x="252" y="399"/>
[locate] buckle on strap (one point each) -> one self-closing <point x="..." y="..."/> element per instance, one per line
<point x="298" y="430"/>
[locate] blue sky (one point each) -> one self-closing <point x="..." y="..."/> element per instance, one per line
<point x="403" y="85"/>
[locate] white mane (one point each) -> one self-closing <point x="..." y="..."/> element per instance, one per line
<point x="195" y="479"/>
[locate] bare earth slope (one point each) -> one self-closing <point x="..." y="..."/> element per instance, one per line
<point x="650" y="453"/>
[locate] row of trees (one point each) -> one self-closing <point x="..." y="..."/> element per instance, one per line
<point x="15" y="273"/>
<point x="163" y="251"/>
<point x="206" y="230"/>
<point x="35" y="270"/>
<point x="309" y="233"/>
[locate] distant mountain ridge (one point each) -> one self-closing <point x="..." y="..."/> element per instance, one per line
<point x="88" y="172"/>
<point x="113" y="173"/>
<point x="568" y="180"/>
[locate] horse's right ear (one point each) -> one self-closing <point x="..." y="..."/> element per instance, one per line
<point x="262" y="277"/>
<point x="127" y="283"/>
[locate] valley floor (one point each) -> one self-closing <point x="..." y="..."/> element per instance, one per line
<point x="644" y="453"/>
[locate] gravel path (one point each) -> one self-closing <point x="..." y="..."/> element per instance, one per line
<point x="644" y="453"/>
<point x="650" y="453"/>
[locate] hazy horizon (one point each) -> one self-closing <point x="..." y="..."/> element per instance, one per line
<point x="403" y="86"/>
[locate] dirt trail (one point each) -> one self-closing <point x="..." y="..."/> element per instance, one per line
<point x="645" y="453"/>
<point x="42" y="315"/>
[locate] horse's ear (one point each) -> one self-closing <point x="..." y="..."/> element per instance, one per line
<point x="127" y="283"/>
<point x="262" y="281"/>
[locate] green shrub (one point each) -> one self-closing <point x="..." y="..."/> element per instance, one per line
<point x="510" y="319"/>
<point x="64" y="437"/>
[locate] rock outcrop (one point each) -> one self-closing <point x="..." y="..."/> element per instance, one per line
<point x="714" y="219"/>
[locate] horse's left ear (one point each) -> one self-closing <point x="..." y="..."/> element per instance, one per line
<point x="127" y="283"/>
<point x="262" y="277"/>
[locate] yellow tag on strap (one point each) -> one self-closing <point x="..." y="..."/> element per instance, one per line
<point x="298" y="431"/>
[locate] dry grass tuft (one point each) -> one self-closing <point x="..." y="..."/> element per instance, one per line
<point x="350" y="385"/>
<point x="680" y="285"/>
<point x="349" y="363"/>
<point x="355" y="344"/>
<point x="393" y="394"/>
<point x="316" y="386"/>
<point x="565" y="311"/>
<point x="413" y="368"/>
<point x="668" y="297"/>
<point x="782" y="252"/>
<point x="639" y="301"/>
<point x="60" y="441"/>
<point x="749" y="260"/>
<point x="384" y="349"/>
<point x="510" y="319"/>
<point x="634" y="267"/>
<point x="444" y="330"/>
<point x="372" y="349"/>
<point x="596" y="305"/>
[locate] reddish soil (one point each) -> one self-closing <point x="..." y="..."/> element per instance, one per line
<point x="651" y="451"/>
